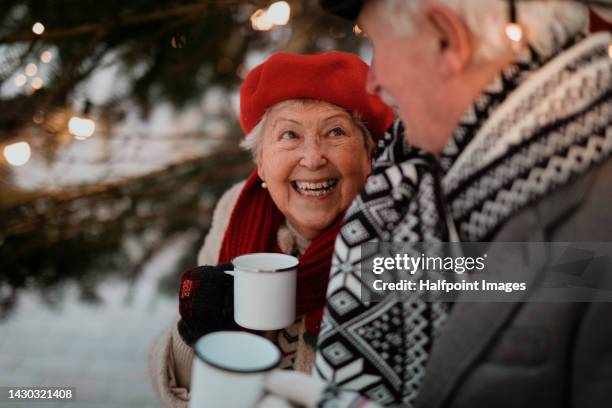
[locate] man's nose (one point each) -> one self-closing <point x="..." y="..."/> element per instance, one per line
<point x="372" y="85"/>
<point x="313" y="156"/>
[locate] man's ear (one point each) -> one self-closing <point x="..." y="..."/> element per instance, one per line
<point x="454" y="39"/>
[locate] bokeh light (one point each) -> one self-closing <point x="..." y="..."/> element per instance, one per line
<point x="17" y="154"/>
<point x="81" y="128"/>
<point x="38" y="28"/>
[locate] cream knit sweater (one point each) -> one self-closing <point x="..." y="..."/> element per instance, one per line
<point x="170" y="358"/>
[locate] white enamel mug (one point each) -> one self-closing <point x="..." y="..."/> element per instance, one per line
<point x="264" y="290"/>
<point x="228" y="369"/>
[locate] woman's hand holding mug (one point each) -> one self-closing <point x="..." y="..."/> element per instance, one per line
<point x="206" y="302"/>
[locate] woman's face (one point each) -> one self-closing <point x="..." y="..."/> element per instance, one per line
<point x="314" y="161"/>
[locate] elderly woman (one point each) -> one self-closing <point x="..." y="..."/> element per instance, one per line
<point x="311" y="128"/>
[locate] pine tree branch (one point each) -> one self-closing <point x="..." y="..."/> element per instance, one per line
<point x="90" y="28"/>
<point x="218" y="158"/>
<point x="49" y="212"/>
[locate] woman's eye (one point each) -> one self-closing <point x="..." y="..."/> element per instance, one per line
<point x="337" y="132"/>
<point x="288" y="135"/>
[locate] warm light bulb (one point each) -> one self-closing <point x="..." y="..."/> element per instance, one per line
<point x="46" y="56"/>
<point x="81" y="128"/>
<point x="259" y="21"/>
<point x="38" y="28"/>
<point x="514" y="32"/>
<point x="357" y="30"/>
<point x="17" y="154"/>
<point x="31" y="69"/>
<point x="37" y="83"/>
<point x="20" y="80"/>
<point x="278" y="13"/>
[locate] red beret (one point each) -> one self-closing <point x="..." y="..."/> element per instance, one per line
<point x="335" y="77"/>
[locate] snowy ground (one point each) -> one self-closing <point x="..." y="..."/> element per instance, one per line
<point x="101" y="350"/>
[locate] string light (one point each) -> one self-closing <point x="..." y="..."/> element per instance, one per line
<point x="279" y="13"/>
<point x="357" y="30"/>
<point x="514" y="31"/>
<point x="38" y="28"/>
<point x="259" y="21"/>
<point x="46" y="57"/>
<point x="20" y="80"/>
<point x="31" y="69"/>
<point x="276" y="15"/>
<point x="17" y="154"/>
<point x="81" y="128"/>
<point x="178" y="41"/>
<point x="37" y="83"/>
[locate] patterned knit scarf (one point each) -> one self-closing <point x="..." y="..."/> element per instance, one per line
<point x="540" y="124"/>
<point x="253" y="227"/>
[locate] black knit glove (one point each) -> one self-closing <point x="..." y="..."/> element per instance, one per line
<point x="206" y="302"/>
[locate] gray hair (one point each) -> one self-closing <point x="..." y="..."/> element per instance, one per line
<point x="546" y="23"/>
<point x="253" y="140"/>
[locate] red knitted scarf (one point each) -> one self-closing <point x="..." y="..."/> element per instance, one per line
<point x="253" y="227"/>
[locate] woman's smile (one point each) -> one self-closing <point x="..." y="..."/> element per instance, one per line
<point x="315" y="188"/>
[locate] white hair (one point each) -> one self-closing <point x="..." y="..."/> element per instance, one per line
<point x="546" y="23"/>
<point x="252" y="141"/>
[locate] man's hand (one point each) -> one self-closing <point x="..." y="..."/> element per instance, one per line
<point x="287" y="389"/>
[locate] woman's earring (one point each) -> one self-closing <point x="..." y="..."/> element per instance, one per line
<point x="264" y="185"/>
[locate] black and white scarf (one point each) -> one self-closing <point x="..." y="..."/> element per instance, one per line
<point x="540" y="124"/>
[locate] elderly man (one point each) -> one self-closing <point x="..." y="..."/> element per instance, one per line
<point x="509" y="138"/>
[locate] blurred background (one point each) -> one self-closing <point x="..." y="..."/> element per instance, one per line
<point x="118" y="132"/>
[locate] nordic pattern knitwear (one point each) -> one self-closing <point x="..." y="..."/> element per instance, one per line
<point x="541" y="124"/>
